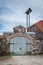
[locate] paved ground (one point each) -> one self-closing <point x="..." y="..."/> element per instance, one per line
<point x="21" y="60"/>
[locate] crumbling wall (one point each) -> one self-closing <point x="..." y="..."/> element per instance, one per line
<point x="4" y="48"/>
<point x="37" y="47"/>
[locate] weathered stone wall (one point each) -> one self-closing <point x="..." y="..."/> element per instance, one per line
<point x="37" y="47"/>
<point x="36" y="41"/>
<point x="4" y="48"/>
<point x="41" y="46"/>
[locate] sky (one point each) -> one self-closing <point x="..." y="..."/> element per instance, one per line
<point x="12" y="13"/>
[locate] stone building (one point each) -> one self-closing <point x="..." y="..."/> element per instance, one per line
<point x="38" y="29"/>
<point x="2" y="45"/>
<point x="21" y="42"/>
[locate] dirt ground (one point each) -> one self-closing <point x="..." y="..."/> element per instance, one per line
<point x="22" y="60"/>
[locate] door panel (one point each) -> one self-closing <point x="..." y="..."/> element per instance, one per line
<point x="19" y="45"/>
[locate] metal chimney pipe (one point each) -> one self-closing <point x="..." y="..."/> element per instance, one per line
<point x="26" y="22"/>
<point x="28" y="14"/>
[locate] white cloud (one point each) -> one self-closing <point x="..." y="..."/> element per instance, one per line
<point x="15" y="13"/>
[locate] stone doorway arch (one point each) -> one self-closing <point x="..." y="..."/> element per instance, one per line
<point x="27" y="36"/>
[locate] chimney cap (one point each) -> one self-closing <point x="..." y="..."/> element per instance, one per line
<point x="28" y="11"/>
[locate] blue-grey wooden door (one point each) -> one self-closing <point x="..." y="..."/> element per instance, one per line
<point x="19" y="45"/>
